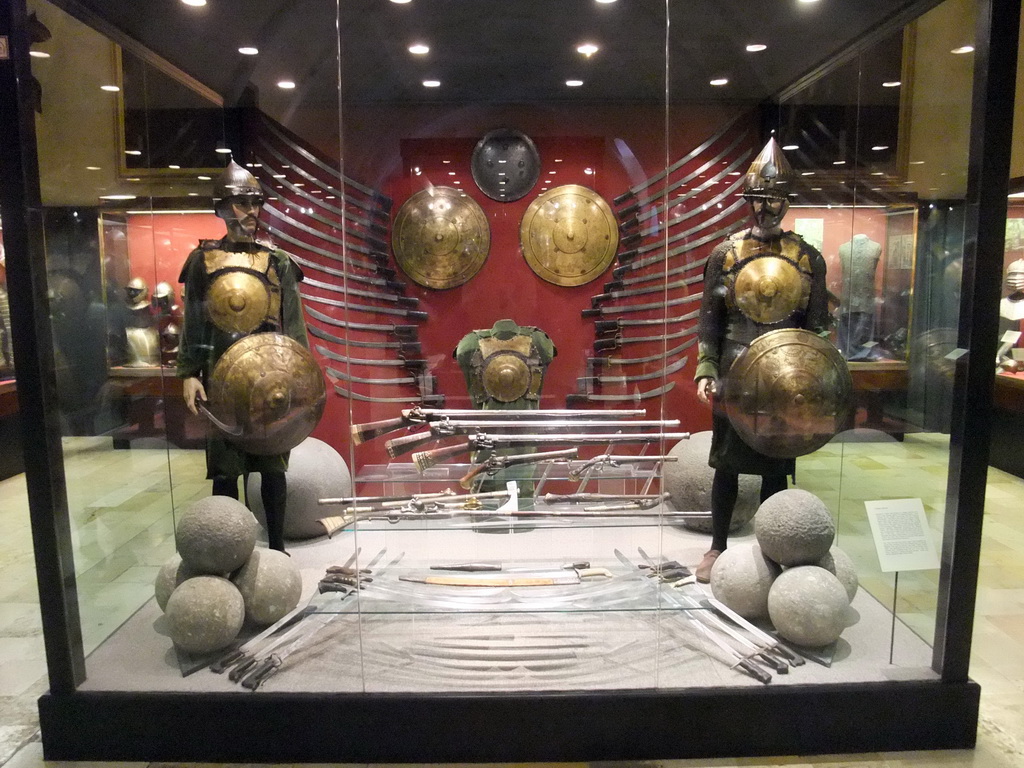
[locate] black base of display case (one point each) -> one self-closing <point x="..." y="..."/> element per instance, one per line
<point x="615" y="725"/>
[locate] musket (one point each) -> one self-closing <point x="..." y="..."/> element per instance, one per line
<point x="587" y="381"/>
<point x="636" y="396"/>
<point x="634" y="190"/>
<point x="614" y="326"/>
<point x="451" y="427"/>
<point x="625" y="294"/>
<point x="649" y="358"/>
<point x="405" y="332"/>
<point x="362" y="501"/>
<point x="496" y="463"/>
<point x="412" y="364"/>
<point x="591" y="498"/>
<point x="412" y="416"/>
<point x="423" y="380"/>
<point x="402" y="301"/>
<point x="406" y="349"/>
<point x="382" y="282"/>
<point x="411" y="314"/>
<point x="636" y="503"/>
<point x="485" y="441"/>
<point x="437" y="400"/>
<point x="612" y="460"/>
<point x="438" y="505"/>
<point x="601" y="311"/>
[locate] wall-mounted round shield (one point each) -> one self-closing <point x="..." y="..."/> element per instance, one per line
<point x="505" y="164"/>
<point x="788" y="393"/>
<point x="269" y="390"/>
<point x="441" y="237"/>
<point x="569" y="235"/>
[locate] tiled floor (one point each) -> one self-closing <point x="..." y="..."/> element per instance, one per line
<point x="121" y="506"/>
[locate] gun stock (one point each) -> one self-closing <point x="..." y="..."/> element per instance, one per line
<point x="371" y="429"/>
<point x="424" y="460"/>
<point x="399" y="445"/>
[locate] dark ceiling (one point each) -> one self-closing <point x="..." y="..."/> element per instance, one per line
<point x="501" y="51"/>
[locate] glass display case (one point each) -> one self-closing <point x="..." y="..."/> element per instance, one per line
<point x="479" y="245"/>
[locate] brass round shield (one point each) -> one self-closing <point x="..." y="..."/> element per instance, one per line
<point x="237" y="302"/>
<point x="769" y="289"/>
<point x="505" y="164"/>
<point x="506" y="377"/>
<point x="569" y="235"/>
<point x="788" y="393"/>
<point x="268" y="388"/>
<point x="441" y="237"/>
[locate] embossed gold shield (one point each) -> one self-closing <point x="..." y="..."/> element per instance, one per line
<point x="270" y="388"/>
<point x="238" y="302"/>
<point x="788" y="393"/>
<point x="506" y="373"/>
<point x="569" y="235"/>
<point x="441" y="237"/>
<point x="768" y="290"/>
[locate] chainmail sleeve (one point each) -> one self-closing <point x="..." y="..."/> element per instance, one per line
<point x="817" y="317"/>
<point x="712" y="323"/>
<point x="292" y="322"/>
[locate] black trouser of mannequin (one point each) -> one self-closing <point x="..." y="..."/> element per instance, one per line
<point x="724" y="490"/>
<point x="273" y="492"/>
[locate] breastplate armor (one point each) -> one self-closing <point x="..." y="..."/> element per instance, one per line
<point x="245" y="291"/>
<point x="509" y="369"/>
<point x="767" y="281"/>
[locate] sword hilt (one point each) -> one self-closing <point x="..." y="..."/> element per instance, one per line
<point x="629" y="210"/>
<point x="629" y="255"/>
<point x="613" y="285"/>
<point x="630" y="239"/>
<point x="628" y="194"/>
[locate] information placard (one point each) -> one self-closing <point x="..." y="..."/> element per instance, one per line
<point x="903" y="539"/>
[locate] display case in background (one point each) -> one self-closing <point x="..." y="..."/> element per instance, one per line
<point x="379" y="132"/>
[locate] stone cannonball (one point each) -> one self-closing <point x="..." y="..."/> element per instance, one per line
<point x="808" y="606"/>
<point x="688" y="481"/>
<point x="216" y="535"/>
<point x="741" y="578"/>
<point x="271" y="585"/>
<point x="315" y="471"/>
<point x="794" y="527"/>
<point x="171" y="574"/>
<point x="204" y="614"/>
<point x="840" y="565"/>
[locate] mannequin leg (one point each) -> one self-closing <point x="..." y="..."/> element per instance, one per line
<point x="274" y="492"/>
<point x="724" y="489"/>
<point x="225" y="486"/>
<point x="772" y="484"/>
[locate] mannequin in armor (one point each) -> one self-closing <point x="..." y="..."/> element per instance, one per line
<point x="168" y="317"/>
<point x="1012" y="307"/>
<point x="759" y="280"/>
<point x="235" y="287"/>
<point x="141" y="337"/>
<point x="504" y="369"/>
<point x="859" y="261"/>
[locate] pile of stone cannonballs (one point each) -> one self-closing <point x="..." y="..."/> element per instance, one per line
<point x="219" y="579"/>
<point x="792" y="575"/>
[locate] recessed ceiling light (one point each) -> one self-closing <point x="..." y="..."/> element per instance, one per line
<point x="815" y="189"/>
<point x="838" y="162"/>
<point x="133" y="151"/>
<point x="790" y="147"/>
<point x="285" y="84"/>
<point x="419" y="49"/>
<point x="203" y="178"/>
<point x="720" y="81"/>
<point x="756" y="47"/>
<point x="39" y="54"/>
<point x="92" y="168"/>
<point x="917" y="162"/>
<point x="196" y="3"/>
<point x="891" y="84"/>
<point x="401" y="2"/>
<point x="117" y="197"/>
<point x="605" y="2"/>
<point x="808" y="1"/>
<point x="248" y="50"/>
<point x="110" y="88"/>
<point x="299" y="184"/>
<point x="193" y="194"/>
<point x="587" y="49"/>
<point x="174" y="167"/>
<point x="278" y="175"/>
<point x="431" y="83"/>
<point x="223" y="150"/>
<point x="807" y="173"/>
<point x="963" y="49"/>
<point x="878" y="173"/>
<point x="879" y="147"/>
<point x="574" y="83"/>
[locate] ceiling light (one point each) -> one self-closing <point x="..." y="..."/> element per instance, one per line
<point x="133" y="151"/>
<point x="838" y="162"/>
<point x="879" y="147"/>
<point x="587" y="49"/>
<point x="891" y="84"/>
<point x="196" y="3"/>
<point x="174" y="167"/>
<point x="807" y="173"/>
<point x="92" y="168"/>
<point x="588" y="171"/>
<point x="401" y="2"/>
<point x="878" y="173"/>
<point x="963" y="49"/>
<point x="605" y="2"/>
<point x="278" y="175"/>
<point x="815" y="189"/>
<point x="419" y="49"/>
<point x="110" y="88"/>
<point x="223" y="150"/>
<point x="430" y="83"/>
<point x="756" y="47"/>
<point x="574" y="83"/>
<point x="451" y="173"/>
<point x="285" y="84"/>
<point x="917" y="162"/>
<point x="203" y="178"/>
<point x="193" y="194"/>
<point x="39" y="54"/>
<point x="808" y="1"/>
<point x="117" y="197"/>
<point x="248" y="50"/>
<point x="720" y="81"/>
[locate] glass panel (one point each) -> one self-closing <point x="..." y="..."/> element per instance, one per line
<point x="489" y="217"/>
